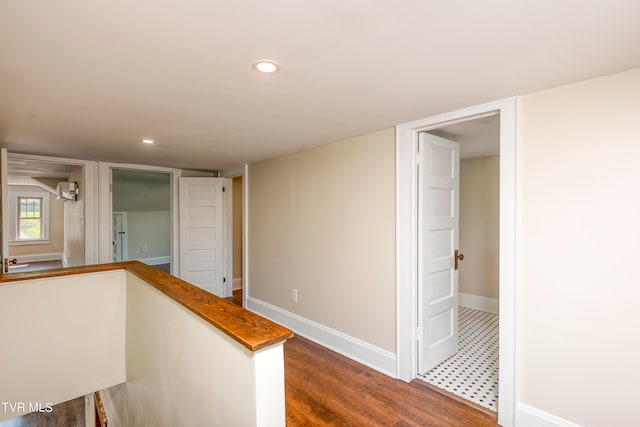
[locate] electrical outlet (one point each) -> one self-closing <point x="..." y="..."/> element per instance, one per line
<point x="145" y="248"/>
<point x="294" y="295"/>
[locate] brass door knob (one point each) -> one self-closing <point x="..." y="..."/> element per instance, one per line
<point x="457" y="257"/>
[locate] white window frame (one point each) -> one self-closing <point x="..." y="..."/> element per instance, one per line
<point x="13" y="217"/>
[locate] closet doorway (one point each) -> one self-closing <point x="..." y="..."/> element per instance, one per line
<point x="407" y="243"/>
<point x="48" y="217"/>
<point x="145" y="198"/>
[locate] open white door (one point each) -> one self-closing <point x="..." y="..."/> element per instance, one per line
<point x="438" y="194"/>
<point x="119" y="228"/>
<point x="4" y="210"/>
<point x="202" y="234"/>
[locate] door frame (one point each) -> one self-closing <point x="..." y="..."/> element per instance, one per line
<point x="105" y="210"/>
<point x="124" y="251"/>
<point x="407" y="241"/>
<point x="243" y="171"/>
<point x="90" y="184"/>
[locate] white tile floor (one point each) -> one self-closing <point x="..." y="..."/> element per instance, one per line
<point x="472" y="373"/>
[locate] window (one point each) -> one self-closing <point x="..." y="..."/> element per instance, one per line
<point x="30" y="218"/>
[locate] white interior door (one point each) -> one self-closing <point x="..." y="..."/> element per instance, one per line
<point x="119" y="237"/>
<point x="4" y="210"/>
<point x="438" y="184"/>
<point x="202" y="227"/>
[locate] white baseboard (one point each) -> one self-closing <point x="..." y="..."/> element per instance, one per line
<point x="528" y="416"/>
<point x="53" y="256"/>
<point x="374" y="357"/>
<point x="237" y="283"/>
<point x="476" y="302"/>
<point x="157" y="260"/>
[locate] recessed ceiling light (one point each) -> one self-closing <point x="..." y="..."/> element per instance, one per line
<point x="266" y="66"/>
<point x="148" y="141"/>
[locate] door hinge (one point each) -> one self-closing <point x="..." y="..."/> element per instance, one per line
<point x="224" y="189"/>
<point x="110" y="188"/>
<point x="419" y="333"/>
<point x="224" y="280"/>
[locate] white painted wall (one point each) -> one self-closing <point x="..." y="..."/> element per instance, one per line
<point x="61" y="338"/>
<point x="74" y="224"/>
<point x="578" y="326"/>
<point x="69" y="336"/>
<point x="183" y="371"/>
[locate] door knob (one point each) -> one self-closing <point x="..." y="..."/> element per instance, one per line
<point x="457" y="257"/>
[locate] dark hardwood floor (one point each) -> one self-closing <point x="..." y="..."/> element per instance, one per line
<point x="236" y="298"/>
<point x="323" y="388"/>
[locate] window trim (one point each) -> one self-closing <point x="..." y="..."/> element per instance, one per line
<point x="14" y="232"/>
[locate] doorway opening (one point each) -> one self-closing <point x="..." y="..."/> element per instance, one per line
<point x="238" y="266"/>
<point x="141" y="217"/>
<point x="407" y="137"/>
<point x="469" y="368"/>
<point x="49" y="218"/>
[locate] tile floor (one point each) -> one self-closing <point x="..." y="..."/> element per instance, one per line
<point x="472" y="373"/>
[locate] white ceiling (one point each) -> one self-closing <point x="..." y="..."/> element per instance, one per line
<point x="477" y="138"/>
<point x="88" y="79"/>
<point x="18" y="168"/>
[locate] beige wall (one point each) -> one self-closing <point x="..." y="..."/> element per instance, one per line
<point x="479" y="226"/>
<point x="237" y="227"/>
<point x="56" y="226"/>
<point x="578" y="298"/>
<point x="323" y="221"/>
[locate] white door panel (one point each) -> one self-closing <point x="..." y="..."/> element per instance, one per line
<point x="4" y="210"/>
<point x="117" y="238"/>
<point x="202" y="233"/>
<point x="438" y="175"/>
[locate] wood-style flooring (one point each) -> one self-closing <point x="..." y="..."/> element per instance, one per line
<point x="323" y="388"/>
<point x="236" y="298"/>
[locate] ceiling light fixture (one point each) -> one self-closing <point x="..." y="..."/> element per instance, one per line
<point x="148" y="141"/>
<point x="266" y="66"/>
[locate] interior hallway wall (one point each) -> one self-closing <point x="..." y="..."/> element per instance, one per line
<point x="480" y="226"/>
<point x="323" y="221"/>
<point x="578" y="297"/>
<point x="150" y="229"/>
